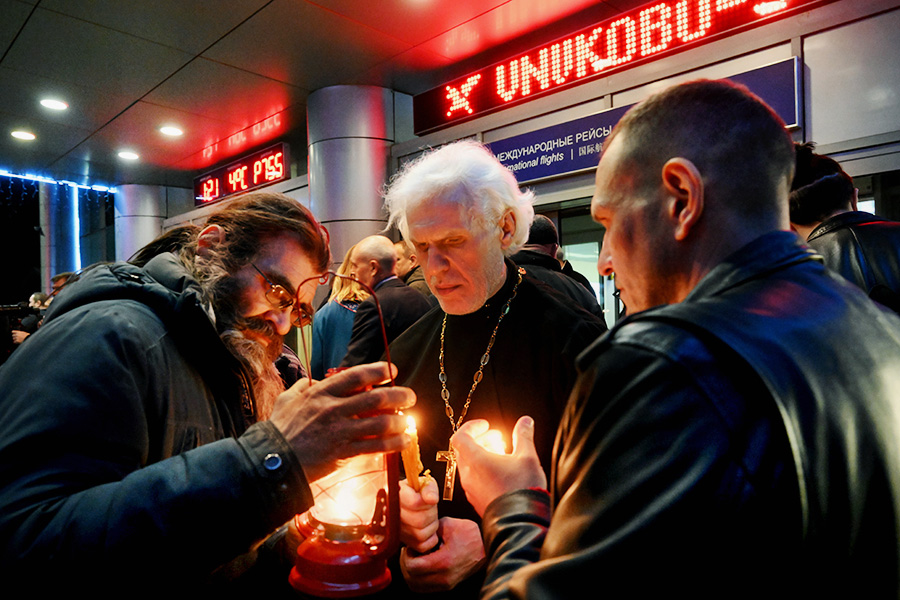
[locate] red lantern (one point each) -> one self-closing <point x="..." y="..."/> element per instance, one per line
<point x="351" y="531"/>
<point x="354" y="526"/>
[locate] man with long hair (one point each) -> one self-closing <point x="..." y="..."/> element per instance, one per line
<point x="144" y="428"/>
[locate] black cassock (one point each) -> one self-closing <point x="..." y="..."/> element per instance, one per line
<point x="531" y="370"/>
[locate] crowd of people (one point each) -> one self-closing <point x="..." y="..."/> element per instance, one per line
<point x="20" y="320"/>
<point x="737" y="433"/>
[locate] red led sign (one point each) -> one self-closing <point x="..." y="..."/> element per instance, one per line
<point x="250" y="172"/>
<point x="639" y="35"/>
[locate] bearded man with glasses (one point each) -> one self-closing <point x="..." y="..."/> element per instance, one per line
<point x="145" y="429"/>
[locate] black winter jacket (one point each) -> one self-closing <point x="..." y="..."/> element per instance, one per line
<point x="125" y="453"/>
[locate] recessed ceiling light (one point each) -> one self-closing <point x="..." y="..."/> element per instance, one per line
<point x="23" y="135"/>
<point x="128" y="155"/>
<point x="54" y="104"/>
<point x="171" y="131"/>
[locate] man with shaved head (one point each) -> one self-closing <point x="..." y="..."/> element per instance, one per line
<point x="373" y="263"/>
<point x="739" y="433"/>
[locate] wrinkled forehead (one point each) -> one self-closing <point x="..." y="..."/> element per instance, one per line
<point x="440" y="216"/>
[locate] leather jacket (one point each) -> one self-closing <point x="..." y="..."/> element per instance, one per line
<point x="865" y="249"/>
<point x="744" y="442"/>
<point x="546" y="269"/>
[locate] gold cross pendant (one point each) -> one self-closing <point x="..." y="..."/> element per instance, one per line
<point x="449" y="457"/>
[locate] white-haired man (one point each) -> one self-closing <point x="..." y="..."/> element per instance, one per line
<point x="500" y="343"/>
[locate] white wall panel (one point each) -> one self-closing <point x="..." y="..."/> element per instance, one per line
<point x="853" y="80"/>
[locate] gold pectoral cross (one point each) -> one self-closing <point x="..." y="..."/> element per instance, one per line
<point x="449" y="457"/>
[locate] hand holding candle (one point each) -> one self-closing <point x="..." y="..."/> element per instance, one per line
<point x="485" y="473"/>
<point x="412" y="459"/>
<point x="492" y="441"/>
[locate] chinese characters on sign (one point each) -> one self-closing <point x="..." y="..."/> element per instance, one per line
<point x="576" y="145"/>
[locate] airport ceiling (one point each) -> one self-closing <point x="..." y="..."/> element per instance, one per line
<point x="233" y="75"/>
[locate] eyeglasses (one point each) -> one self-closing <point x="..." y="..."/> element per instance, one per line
<point x="323" y="279"/>
<point x="280" y="298"/>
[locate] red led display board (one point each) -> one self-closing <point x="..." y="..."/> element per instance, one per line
<point x="263" y="167"/>
<point x="640" y="35"/>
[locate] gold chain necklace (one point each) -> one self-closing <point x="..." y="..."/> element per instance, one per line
<point x="449" y="456"/>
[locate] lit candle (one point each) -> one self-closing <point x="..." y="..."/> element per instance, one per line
<point x="347" y="496"/>
<point x="492" y="441"/>
<point x="412" y="460"/>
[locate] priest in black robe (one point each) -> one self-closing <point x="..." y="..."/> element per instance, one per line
<point x="499" y="345"/>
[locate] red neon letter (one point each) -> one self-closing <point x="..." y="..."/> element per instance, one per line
<point x="584" y="55"/>
<point x="504" y="91"/>
<point x="459" y="99"/>
<point x="257" y="170"/>
<point x="683" y="20"/>
<point x="726" y="4"/>
<point x="561" y="61"/>
<point x="277" y="169"/>
<point x="612" y="41"/>
<point x="648" y="24"/>
<point x="541" y="72"/>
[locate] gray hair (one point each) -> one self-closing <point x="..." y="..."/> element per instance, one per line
<point x="465" y="173"/>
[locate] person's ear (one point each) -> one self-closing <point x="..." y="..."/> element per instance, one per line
<point x="210" y="237"/>
<point x="507" y="229"/>
<point x="684" y="185"/>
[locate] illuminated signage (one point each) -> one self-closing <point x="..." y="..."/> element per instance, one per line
<point x="250" y="172"/>
<point x="575" y="146"/>
<point x="643" y="34"/>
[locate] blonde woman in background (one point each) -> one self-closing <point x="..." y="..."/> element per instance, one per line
<point x="333" y="323"/>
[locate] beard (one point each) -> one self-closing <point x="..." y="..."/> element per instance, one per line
<point x="253" y="340"/>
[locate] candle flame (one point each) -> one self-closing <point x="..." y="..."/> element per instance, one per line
<point x="410" y="425"/>
<point x="492" y="441"/>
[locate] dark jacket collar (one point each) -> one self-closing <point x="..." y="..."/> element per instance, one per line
<point x="838" y="221"/>
<point x="530" y="257"/>
<point x="766" y="254"/>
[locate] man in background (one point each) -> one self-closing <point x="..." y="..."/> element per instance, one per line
<point x="409" y="270"/>
<point x="538" y="258"/>
<point x="861" y="247"/>
<point x="373" y="263"/>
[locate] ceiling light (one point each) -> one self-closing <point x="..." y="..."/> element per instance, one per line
<point x="54" y="104"/>
<point x="128" y="155"/>
<point x="171" y="131"/>
<point x="23" y="135"/>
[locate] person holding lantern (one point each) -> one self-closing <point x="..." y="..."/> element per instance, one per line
<point x="740" y="437"/>
<point x="499" y="343"/>
<point x="146" y="439"/>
